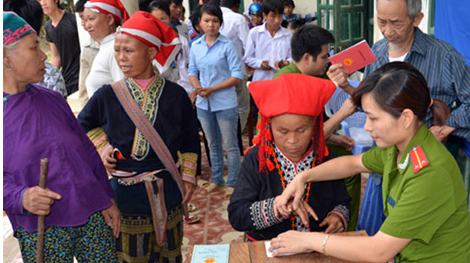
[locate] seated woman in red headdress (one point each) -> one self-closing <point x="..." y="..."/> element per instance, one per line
<point x="290" y="141"/>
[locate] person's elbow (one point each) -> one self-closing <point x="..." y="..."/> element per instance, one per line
<point x="236" y="217"/>
<point x="237" y="80"/>
<point x="384" y="247"/>
<point x="379" y="257"/>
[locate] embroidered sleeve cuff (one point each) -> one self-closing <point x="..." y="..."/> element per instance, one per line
<point x="188" y="167"/>
<point x="262" y="214"/>
<point x="99" y="139"/>
<point x="343" y="212"/>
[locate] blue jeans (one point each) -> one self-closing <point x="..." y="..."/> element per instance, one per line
<point x="218" y="126"/>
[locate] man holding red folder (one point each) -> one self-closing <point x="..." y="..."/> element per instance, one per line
<point x="445" y="70"/>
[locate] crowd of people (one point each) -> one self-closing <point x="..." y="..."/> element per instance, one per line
<point x="122" y="174"/>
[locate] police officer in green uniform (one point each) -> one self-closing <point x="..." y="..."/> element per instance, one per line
<point x="423" y="191"/>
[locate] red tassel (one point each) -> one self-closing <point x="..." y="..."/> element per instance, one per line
<point x="256" y="140"/>
<point x="269" y="135"/>
<point x="270" y="165"/>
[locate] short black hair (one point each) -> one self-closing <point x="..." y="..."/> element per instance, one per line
<point x="309" y="39"/>
<point x="176" y="2"/>
<point x="195" y="17"/>
<point x="295" y="24"/>
<point x="275" y="6"/>
<point x="29" y="10"/>
<point x="159" y="4"/>
<point x="80" y="6"/>
<point x="229" y="3"/>
<point x="144" y="4"/>
<point x="212" y="10"/>
<point x="289" y="2"/>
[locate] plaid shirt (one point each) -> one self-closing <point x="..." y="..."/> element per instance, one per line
<point x="446" y="72"/>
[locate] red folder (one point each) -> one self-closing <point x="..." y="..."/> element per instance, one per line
<point x="354" y="57"/>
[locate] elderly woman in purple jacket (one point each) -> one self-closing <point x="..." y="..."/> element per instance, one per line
<point x="80" y="213"/>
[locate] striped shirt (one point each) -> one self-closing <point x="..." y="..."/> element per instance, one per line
<point x="446" y="72"/>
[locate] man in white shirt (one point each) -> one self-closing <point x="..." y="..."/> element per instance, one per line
<point x="235" y="28"/>
<point x="268" y="46"/>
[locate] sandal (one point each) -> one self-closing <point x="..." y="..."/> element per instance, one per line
<point x="191" y="207"/>
<point x="202" y="183"/>
<point x="191" y="220"/>
<point x="213" y="187"/>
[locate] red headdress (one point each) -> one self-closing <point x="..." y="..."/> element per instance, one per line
<point x="294" y="94"/>
<point x="109" y="7"/>
<point x="154" y="33"/>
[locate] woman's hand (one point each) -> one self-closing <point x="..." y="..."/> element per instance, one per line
<point x="108" y="159"/>
<point x="283" y="205"/>
<point x="334" y="223"/>
<point x="206" y="92"/>
<point x="343" y="141"/>
<point x="303" y="211"/>
<point x="290" y="242"/>
<point x="189" y="187"/>
<point x="38" y="201"/>
<point x="112" y="216"/>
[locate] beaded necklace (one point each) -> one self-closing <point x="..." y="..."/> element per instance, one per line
<point x="284" y="184"/>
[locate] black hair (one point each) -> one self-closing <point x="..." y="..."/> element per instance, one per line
<point x="176" y="2"/>
<point x="144" y="5"/>
<point x="29" y="10"/>
<point x="295" y="24"/>
<point x="398" y="86"/>
<point x="289" y="2"/>
<point x="159" y="4"/>
<point x="212" y="2"/>
<point x="212" y="10"/>
<point x="230" y="3"/>
<point x="195" y="17"/>
<point x="309" y="39"/>
<point x="80" y="6"/>
<point x="275" y="6"/>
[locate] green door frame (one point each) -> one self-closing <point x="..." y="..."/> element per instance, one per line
<point x="348" y="20"/>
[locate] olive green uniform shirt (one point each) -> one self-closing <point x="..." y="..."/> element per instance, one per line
<point x="428" y="206"/>
<point x="291" y="68"/>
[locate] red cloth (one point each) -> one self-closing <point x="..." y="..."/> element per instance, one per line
<point x="154" y="33"/>
<point x="290" y="94"/>
<point x="109" y="7"/>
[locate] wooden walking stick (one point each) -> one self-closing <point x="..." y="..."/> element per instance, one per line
<point x="41" y="219"/>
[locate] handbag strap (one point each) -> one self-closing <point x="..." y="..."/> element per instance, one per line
<point x="147" y="129"/>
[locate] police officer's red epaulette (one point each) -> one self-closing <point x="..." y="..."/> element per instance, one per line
<point x="418" y="159"/>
